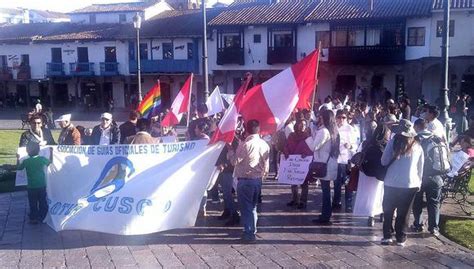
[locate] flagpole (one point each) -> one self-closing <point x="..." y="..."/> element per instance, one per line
<point x="316" y="79"/>
<point x="189" y="101"/>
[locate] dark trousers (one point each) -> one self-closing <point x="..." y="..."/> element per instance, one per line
<point x="214" y="192"/>
<point x="399" y="199"/>
<point x="326" y="211"/>
<point x="341" y="181"/>
<point x="431" y="187"/>
<point x="38" y="203"/>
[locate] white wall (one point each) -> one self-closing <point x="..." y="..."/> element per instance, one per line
<point x="102" y="17"/>
<point x="307" y="39"/>
<point x="40" y="55"/>
<point x="417" y="52"/>
<point x="179" y="54"/>
<point x="156" y="9"/>
<point x="462" y="43"/>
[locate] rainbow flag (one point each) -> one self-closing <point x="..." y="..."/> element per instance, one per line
<point x="151" y="104"/>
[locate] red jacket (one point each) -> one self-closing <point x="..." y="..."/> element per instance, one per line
<point x="296" y="145"/>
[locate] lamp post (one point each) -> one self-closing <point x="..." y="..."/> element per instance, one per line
<point x="204" y="53"/>
<point x="137" y="23"/>
<point x="444" y="98"/>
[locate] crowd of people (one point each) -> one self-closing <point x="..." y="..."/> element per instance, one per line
<point x="388" y="155"/>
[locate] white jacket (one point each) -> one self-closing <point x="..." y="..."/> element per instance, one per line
<point x="321" y="146"/>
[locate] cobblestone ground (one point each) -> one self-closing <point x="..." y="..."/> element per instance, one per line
<point x="287" y="238"/>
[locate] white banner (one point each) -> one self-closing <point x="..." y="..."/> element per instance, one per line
<point x="293" y="170"/>
<point x="129" y="189"/>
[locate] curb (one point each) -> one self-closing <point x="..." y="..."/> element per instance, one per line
<point x="448" y="241"/>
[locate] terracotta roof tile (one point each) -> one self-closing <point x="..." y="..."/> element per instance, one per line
<point x="455" y="4"/>
<point x="329" y="10"/>
<point x="285" y="11"/>
<point x="116" y="7"/>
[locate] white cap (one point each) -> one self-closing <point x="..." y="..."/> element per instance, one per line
<point x="65" y="117"/>
<point x="106" y="115"/>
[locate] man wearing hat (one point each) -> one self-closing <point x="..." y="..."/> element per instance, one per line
<point x="107" y="132"/>
<point x="69" y="134"/>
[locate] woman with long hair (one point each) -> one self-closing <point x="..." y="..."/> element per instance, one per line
<point x="403" y="157"/>
<point x="325" y="145"/>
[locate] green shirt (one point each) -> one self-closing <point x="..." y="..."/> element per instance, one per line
<point x="35" y="171"/>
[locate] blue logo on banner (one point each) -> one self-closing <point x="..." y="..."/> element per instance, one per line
<point x="112" y="178"/>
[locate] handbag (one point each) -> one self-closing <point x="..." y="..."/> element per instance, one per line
<point x="318" y="169"/>
<point x="353" y="179"/>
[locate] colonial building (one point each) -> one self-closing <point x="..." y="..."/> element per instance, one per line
<point x="24" y="15"/>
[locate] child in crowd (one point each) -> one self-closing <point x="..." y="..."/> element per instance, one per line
<point x="35" y="174"/>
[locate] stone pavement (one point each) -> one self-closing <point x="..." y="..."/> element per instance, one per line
<point x="287" y="238"/>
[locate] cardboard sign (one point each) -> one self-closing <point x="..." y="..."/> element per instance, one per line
<point x="293" y="170"/>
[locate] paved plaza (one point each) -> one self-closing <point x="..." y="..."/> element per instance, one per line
<point x="287" y="238"/>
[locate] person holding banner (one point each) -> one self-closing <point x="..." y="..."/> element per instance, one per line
<point x="36" y="177"/>
<point x="251" y="161"/>
<point x="226" y="180"/>
<point x="37" y="133"/>
<point x="296" y="145"/>
<point x="107" y="132"/>
<point x="69" y="134"/>
<point x="325" y="145"/>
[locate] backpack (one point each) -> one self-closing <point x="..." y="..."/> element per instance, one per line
<point x="371" y="163"/>
<point x="436" y="157"/>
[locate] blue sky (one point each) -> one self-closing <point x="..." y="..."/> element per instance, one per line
<point x="67" y="5"/>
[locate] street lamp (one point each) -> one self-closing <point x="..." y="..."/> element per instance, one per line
<point x="137" y="23"/>
<point x="444" y="104"/>
<point x="205" y="67"/>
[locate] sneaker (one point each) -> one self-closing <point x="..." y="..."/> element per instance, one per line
<point x="292" y="203"/>
<point x="371" y="222"/>
<point x="248" y="239"/>
<point x="417" y="228"/>
<point x="301" y="206"/>
<point x="401" y="243"/>
<point x="435" y="232"/>
<point x="386" y="241"/>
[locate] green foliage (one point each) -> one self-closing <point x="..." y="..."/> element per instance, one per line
<point x="460" y="231"/>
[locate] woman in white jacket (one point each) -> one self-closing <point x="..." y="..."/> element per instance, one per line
<point x="325" y="144"/>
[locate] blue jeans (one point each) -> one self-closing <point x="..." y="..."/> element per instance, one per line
<point x="227" y="184"/>
<point x="248" y="191"/>
<point x="431" y="186"/>
<point x="341" y="180"/>
<point x="326" y="211"/>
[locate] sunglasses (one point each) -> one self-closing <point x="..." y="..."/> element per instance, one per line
<point x="37" y="123"/>
<point x="105" y="119"/>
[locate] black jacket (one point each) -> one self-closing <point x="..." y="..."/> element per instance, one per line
<point x="27" y="137"/>
<point x="97" y="133"/>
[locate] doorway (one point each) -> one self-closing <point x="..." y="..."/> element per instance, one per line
<point x="60" y="94"/>
<point x="345" y="85"/>
<point x="165" y="95"/>
<point x="376" y="86"/>
<point x="467" y="84"/>
<point x="108" y="93"/>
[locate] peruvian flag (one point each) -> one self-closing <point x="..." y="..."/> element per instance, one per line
<point x="180" y="105"/>
<point x="272" y="102"/>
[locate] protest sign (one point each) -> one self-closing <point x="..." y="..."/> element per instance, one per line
<point x="293" y="170"/>
<point x="129" y="189"/>
<point x="457" y="160"/>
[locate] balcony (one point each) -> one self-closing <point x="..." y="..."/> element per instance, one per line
<point x="230" y="56"/>
<point x="109" y="69"/>
<point x="82" y="69"/>
<point x="166" y="66"/>
<point x="369" y="55"/>
<point x="281" y="55"/>
<point x="55" y="69"/>
<point x="24" y="72"/>
<point x="6" y="73"/>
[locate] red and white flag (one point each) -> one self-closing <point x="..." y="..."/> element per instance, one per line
<point x="180" y="105"/>
<point x="272" y="102"/>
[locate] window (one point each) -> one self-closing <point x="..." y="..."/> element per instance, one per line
<point x="92" y="18"/>
<point x="324" y="37"/>
<point x="373" y="37"/>
<point x="110" y="54"/>
<point x="416" y="36"/>
<point x="232" y="41"/>
<point x="56" y="55"/>
<point x="190" y="51"/>
<point x="25" y="60"/>
<point x="440" y="26"/>
<point x="339" y="38"/>
<point x="122" y="18"/>
<point x="143" y="51"/>
<point x="168" y="51"/>
<point x="3" y="61"/>
<point x="257" y="38"/>
<point x="82" y="55"/>
<point x="283" y="40"/>
<point x="356" y="37"/>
